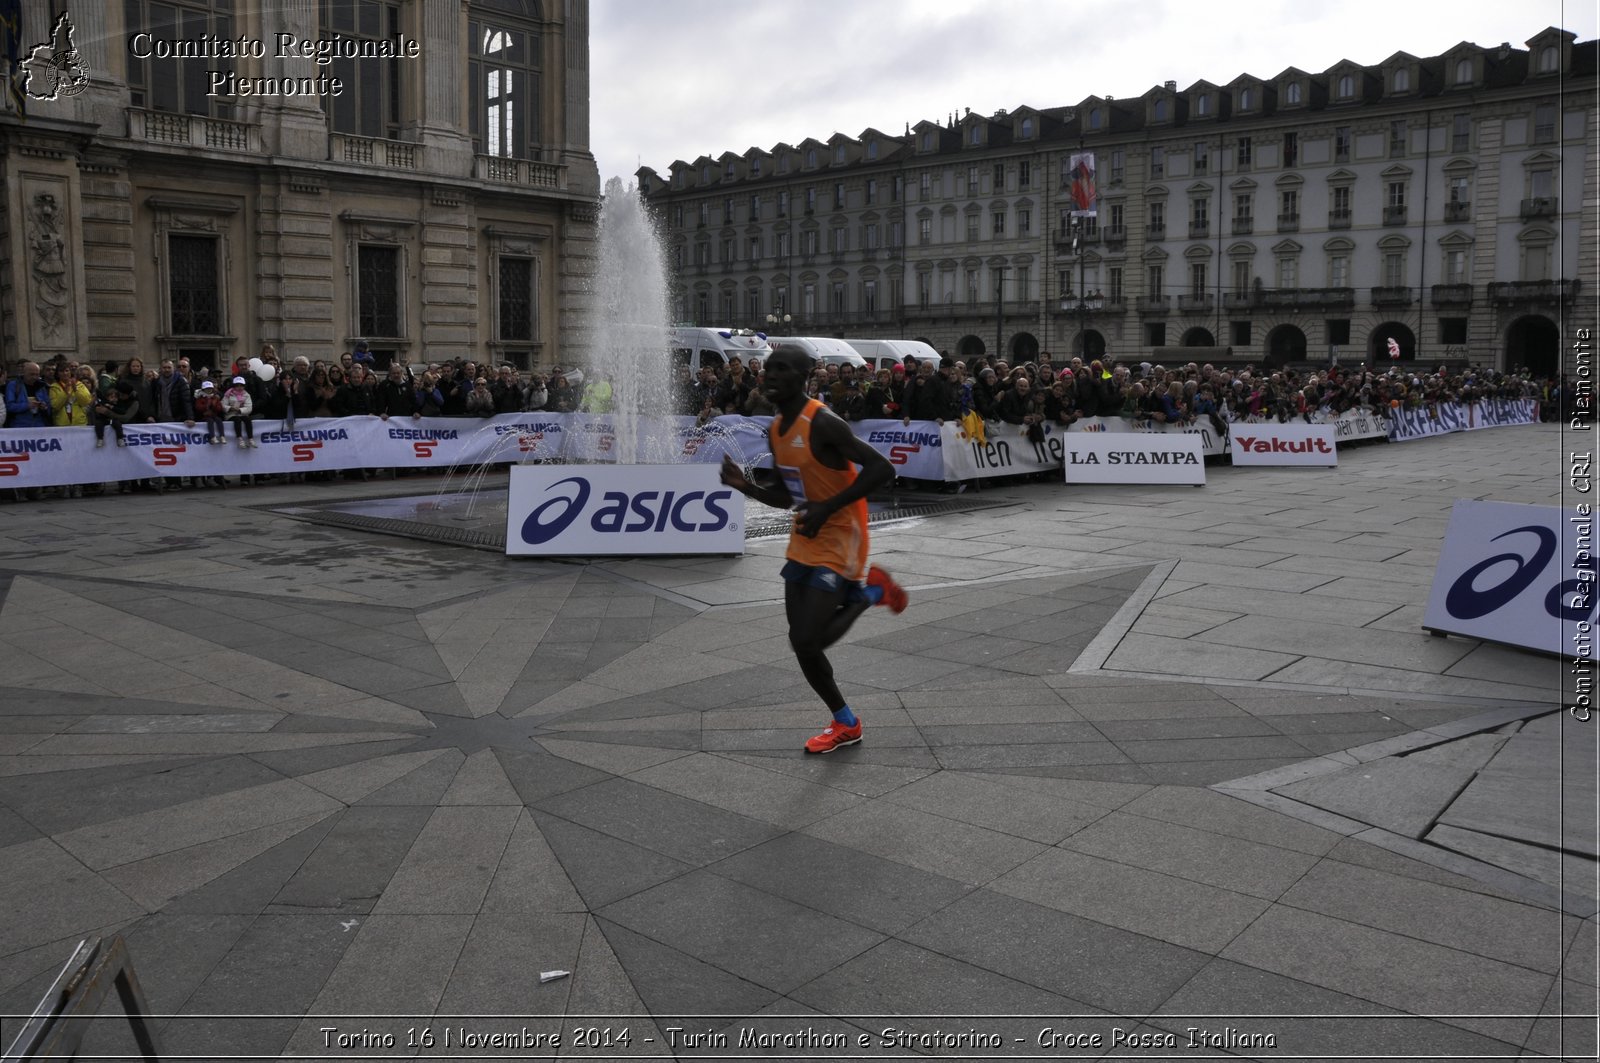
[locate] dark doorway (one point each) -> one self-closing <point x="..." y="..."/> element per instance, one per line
<point x="1532" y="343"/>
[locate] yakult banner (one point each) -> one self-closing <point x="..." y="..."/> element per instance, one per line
<point x="1134" y="458"/>
<point x="587" y="510"/>
<point x="1291" y="443"/>
<point x="1522" y="575"/>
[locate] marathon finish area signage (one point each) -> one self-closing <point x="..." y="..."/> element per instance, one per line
<point x="1134" y="458"/>
<point x="1291" y="443"/>
<point x="588" y="510"/>
<point x="1517" y="574"/>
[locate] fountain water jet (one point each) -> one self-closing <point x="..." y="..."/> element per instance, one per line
<point x="629" y="311"/>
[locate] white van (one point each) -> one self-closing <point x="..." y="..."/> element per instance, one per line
<point x="699" y="347"/>
<point x="824" y="350"/>
<point x="881" y="354"/>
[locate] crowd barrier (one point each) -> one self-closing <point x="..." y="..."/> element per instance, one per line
<point x="923" y="450"/>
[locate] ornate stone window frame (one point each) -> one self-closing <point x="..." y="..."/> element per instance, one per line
<point x="193" y="215"/>
<point x="531" y="244"/>
<point x="381" y="231"/>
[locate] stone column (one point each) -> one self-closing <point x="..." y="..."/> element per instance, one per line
<point x="440" y="73"/>
<point x="291" y="126"/>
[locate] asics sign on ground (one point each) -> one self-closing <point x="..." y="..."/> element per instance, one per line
<point x="586" y="510"/>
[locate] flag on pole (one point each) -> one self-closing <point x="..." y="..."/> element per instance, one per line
<point x="1084" y="197"/>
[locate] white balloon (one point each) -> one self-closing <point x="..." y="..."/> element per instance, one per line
<point x="266" y="371"/>
<point x="255" y="363"/>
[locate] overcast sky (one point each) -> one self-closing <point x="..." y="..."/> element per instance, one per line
<point x="676" y="79"/>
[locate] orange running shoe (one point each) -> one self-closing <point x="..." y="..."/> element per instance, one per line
<point x="894" y="595"/>
<point x="836" y="735"/>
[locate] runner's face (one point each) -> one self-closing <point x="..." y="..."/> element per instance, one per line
<point x="785" y="377"/>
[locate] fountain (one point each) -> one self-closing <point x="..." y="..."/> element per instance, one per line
<point x="629" y="310"/>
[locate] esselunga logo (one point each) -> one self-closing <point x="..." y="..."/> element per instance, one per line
<point x="165" y="439"/>
<point x="619" y="511"/>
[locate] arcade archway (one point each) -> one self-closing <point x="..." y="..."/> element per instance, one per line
<point x="1024" y="348"/>
<point x="970" y="346"/>
<point x="1378" y="344"/>
<point x="1199" y="337"/>
<point x="1285" y="344"/>
<point x="1534" y="344"/>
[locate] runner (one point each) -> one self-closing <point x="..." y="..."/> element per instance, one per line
<point x="827" y="582"/>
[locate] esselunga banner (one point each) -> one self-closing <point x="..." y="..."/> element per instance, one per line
<point x="1518" y="574"/>
<point x="564" y="510"/>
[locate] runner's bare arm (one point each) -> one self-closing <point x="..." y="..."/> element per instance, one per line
<point x="775" y="494"/>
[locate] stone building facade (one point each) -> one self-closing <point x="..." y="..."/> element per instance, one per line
<point x="441" y="203"/>
<point x="1436" y="201"/>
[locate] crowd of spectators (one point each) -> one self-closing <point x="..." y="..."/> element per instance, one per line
<point x="64" y="392"/>
<point x="1044" y="391"/>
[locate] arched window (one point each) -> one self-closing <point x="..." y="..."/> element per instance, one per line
<point x="1549" y="59"/>
<point x="1094" y="117"/>
<point x="504" y="72"/>
<point x="1027" y="127"/>
<point x="1202" y="104"/>
<point x="1244" y="99"/>
<point x="1464" y="72"/>
<point x="1292" y="93"/>
<point x="1402" y="80"/>
<point x="811" y="156"/>
<point x="1347" y="86"/>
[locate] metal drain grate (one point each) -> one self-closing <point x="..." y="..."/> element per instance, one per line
<point x="460" y="519"/>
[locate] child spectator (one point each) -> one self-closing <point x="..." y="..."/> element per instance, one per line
<point x="116" y="410"/>
<point x="208" y="408"/>
<point x="236" y="407"/>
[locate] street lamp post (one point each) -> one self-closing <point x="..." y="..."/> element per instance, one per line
<point x="999" y="303"/>
<point x="1083" y="296"/>
<point x="779" y="318"/>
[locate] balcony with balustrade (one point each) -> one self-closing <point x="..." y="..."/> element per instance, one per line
<point x="191" y="131"/>
<point x="375" y="151"/>
<point x="1534" y="293"/>
<point x="1391" y="297"/>
<point x="525" y="173"/>
<point x="1452" y="295"/>
<point x="1196" y="302"/>
<point x="1306" y="298"/>
<point x="1154" y="304"/>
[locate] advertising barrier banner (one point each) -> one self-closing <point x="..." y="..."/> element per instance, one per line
<point x="1518" y="574"/>
<point x="1457" y="417"/>
<point x="1134" y="458"/>
<point x="567" y="510"/>
<point x="49" y="457"/>
<point x="1291" y="443"/>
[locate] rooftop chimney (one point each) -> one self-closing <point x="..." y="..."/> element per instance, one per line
<point x="1172" y="86"/>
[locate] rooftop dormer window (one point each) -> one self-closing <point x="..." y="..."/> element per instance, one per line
<point x="1292" y="92"/>
<point x="1202" y="104"/>
<point x="872" y="149"/>
<point x="1246" y="99"/>
<point x="1027" y="128"/>
<point x="1549" y="59"/>
<point x="1346" y="87"/>
<point x="1402" y="80"/>
<point x="1094" y="118"/>
<point x="1161" y="110"/>
<point x="1464" y="72"/>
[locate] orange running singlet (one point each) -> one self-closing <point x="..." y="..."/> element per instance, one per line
<point x="841" y="545"/>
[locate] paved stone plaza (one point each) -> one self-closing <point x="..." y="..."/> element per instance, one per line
<point x="1136" y="759"/>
